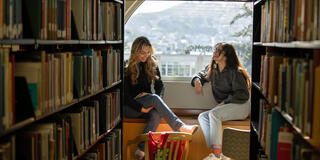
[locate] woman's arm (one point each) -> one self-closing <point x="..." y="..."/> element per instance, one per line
<point x="128" y="98"/>
<point x="158" y="84"/>
<point x="201" y="76"/>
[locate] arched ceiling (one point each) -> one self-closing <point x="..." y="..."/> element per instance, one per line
<point x="130" y="7"/>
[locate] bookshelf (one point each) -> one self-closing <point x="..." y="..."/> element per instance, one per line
<point x="61" y="83"/>
<point x="285" y="76"/>
<point x="296" y="44"/>
<point x="54" y="42"/>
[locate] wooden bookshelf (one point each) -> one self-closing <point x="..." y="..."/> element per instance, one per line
<point x="51" y="52"/>
<point x="18" y="126"/>
<point x="55" y="42"/>
<point x="58" y="109"/>
<point x="255" y="127"/>
<point x="101" y="90"/>
<point x="114" y="42"/>
<point x="296" y="44"/>
<point x="95" y="142"/>
<point x="256" y="86"/>
<point x="258" y="2"/>
<point x="289" y="119"/>
<point x="18" y="41"/>
<point x="31" y="120"/>
<point x="91" y="42"/>
<point x="279" y="46"/>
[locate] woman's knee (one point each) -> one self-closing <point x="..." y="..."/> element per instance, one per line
<point x="155" y="98"/>
<point x="214" y="114"/>
<point x="203" y="116"/>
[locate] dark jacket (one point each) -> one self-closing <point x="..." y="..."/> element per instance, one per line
<point x="143" y="85"/>
<point x="228" y="86"/>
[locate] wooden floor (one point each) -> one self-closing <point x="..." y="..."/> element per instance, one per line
<point x="198" y="147"/>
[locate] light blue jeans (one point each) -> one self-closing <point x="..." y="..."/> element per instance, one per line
<point x="211" y="121"/>
<point x="161" y="110"/>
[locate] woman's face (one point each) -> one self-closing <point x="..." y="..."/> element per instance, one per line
<point x="218" y="55"/>
<point x="144" y="53"/>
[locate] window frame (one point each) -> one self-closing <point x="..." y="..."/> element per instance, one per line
<point x="132" y="5"/>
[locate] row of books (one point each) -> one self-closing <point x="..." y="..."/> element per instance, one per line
<point x="47" y="81"/>
<point x="280" y="141"/>
<point x="108" y="148"/>
<point x="10" y="19"/>
<point x="60" y="19"/>
<point x="290" y="20"/>
<point x="68" y="134"/>
<point x="269" y="124"/>
<point x="289" y="83"/>
<point x="94" y="118"/>
<point x="292" y="85"/>
<point x="7" y="95"/>
<point x="109" y="110"/>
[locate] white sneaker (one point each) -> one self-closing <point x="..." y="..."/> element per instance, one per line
<point x="211" y="156"/>
<point x="139" y="154"/>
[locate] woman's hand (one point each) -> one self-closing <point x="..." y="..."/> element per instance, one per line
<point x="146" y="110"/>
<point x="142" y="94"/>
<point x="198" y="87"/>
<point x="220" y="104"/>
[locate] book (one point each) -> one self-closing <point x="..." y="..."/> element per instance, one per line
<point x="2" y="97"/>
<point x="315" y="138"/>
<point x="24" y="108"/>
<point x="275" y="62"/>
<point x="77" y="9"/>
<point x="285" y="139"/>
<point x="32" y="72"/>
<point x="31" y="18"/>
<point x="76" y="130"/>
<point x="78" y="75"/>
<point x="289" y="88"/>
<point x="276" y="122"/>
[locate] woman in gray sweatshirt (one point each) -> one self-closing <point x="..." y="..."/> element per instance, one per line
<point x="231" y="90"/>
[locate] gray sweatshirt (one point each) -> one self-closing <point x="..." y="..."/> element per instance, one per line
<point x="228" y="86"/>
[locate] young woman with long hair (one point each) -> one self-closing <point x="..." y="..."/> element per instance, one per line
<point x="230" y="84"/>
<point x="140" y="72"/>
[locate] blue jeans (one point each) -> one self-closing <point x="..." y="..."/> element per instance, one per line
<point x="161" y="110"/>
<point x="211" y="121"/>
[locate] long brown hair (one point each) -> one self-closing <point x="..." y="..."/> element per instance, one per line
<point x="232" y="61"/>
<point x="133" y="63"/>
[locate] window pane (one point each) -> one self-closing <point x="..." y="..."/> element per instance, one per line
<point x="170" y="72"/>
<point x="175" y="69"/>
<point x="181" y="70"/>
<point x="188" y="70"/>
<point x="183" y="32"/>
<point x="163" y="70"/>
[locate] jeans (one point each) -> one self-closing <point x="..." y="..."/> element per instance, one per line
<point x="161" y="110"/>
<point x="211" y="121"/>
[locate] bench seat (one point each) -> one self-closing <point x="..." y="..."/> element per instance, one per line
<point x="245" y="122"/>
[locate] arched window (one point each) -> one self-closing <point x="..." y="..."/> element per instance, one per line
<point x="183" y="32"/>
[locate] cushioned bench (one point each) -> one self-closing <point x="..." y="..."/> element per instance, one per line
<point x="190" y="117"/>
